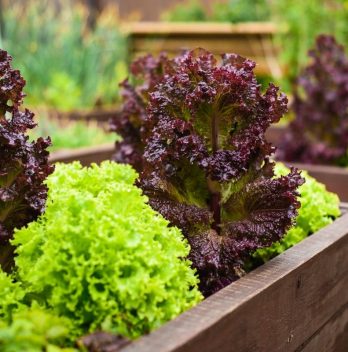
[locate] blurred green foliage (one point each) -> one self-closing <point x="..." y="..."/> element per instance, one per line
<point x="227" y="11"/>
<point x="241" y="11"/>
<point x="299" y="24"/>
<point x="71" y="134"/>
<point x="66" y="64"/>
<point x="190" y="11"/>
<point x="34" y="330"/>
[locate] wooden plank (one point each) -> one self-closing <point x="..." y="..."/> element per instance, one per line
<point x="262" y="64"/>
<point x="86" y="156"/>
<point x="277" y="307"/>
<point x="333" y="336"/>
<point x="248" y="47"/>
<point x="98" y="115"/>
<point x="203" y="28"/>
<point x="252" y="40"/>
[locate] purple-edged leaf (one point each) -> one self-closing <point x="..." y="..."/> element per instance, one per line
<point x="23" y="164"/>
<point x="129" y="122"/>
<point x="206" y="162"/>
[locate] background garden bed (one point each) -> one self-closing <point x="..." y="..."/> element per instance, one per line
<point x="252" y="40"/>
<point x="100" y="116"/>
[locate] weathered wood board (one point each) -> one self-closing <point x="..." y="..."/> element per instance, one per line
<point x="86" y="156"/>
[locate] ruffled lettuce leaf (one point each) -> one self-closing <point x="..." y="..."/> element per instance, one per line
<point x="129" y="121"/>
<point x="207" y="165"/>
<point x="23" y="164"/>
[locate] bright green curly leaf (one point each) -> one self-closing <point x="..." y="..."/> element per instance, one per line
<point x="101" y="257"/>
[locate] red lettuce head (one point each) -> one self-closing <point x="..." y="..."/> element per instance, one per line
<point x="319" y="133"/>
<point x="129" y="121"/>
<point x="207" y="167"/>
<point x="23" y="164"/>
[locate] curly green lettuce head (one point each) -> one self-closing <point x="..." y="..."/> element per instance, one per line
<point x="11" y="296"/>
<point x="34" y="330"/>
<point x="319" y="208"/>
<point x="101" y="257"/>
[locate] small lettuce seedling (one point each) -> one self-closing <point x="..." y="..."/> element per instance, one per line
<point x="319" y="133"/>
<point x="206" y="163"/>
<point x="23" y="164"/>
<point x="101" y="257"/>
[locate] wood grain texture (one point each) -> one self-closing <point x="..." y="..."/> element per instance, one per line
<point x="288" y="304"/>
<point x="333" y="336"/>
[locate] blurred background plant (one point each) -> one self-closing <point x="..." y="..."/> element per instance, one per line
<point x="233" y="11"/>
<point x="190" y="11"/>
<point x="300" y="22"/>
<point x="67" y="63"/>
<point x="67" y="134"/>
<point x="241" y="11"/>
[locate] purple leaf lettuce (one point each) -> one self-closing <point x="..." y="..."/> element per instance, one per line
<point x="23" y="164"/>
<point x="319" y="133"/>
<point x="206" y="163"/>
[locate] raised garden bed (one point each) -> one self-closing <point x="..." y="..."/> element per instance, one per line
<point x="295" y="302"/>
<point x="252" y="40"/>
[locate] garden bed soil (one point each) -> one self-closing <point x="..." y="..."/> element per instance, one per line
<point x="252" y="40"/>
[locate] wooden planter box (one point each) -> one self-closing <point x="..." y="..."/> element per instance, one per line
<point x="296" y="302"/>
<point x="252" y="40"/>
